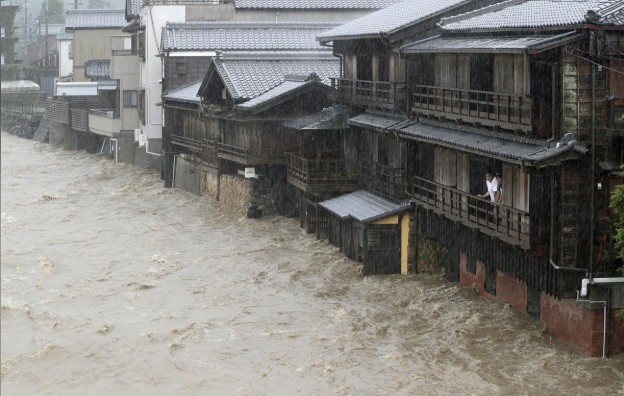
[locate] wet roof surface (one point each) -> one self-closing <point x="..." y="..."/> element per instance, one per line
<point x="363" y="206"/>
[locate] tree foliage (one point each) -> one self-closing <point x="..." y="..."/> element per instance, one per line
<point x="617" y="205"/>
<point x="56" y="12"/>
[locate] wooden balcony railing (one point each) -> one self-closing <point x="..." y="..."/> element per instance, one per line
<point x="507" y="111"/>
<point x="244" y="156"/>
<point x="322" y="175"/>
<point x="382" y="178"/>
<point x="80" y="120"/>
<point x="193" y="145"/>
<point x="209" y="152"/>
<point x="387" y="95"/>
<point x="57" y="111"/>
<point x="507" y="223"/>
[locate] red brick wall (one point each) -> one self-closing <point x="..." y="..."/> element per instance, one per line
<point x="616" y="334"/>
<point x="574" y="323"/>
<point x="511" y="291"/>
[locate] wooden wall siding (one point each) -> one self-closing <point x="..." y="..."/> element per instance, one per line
<point x="446" y="70"/>
<point x="577" y="99"/>
<point x="616" y="77"/>
<point x="509" y="74"/>
<point x="463" y="172"/>
<point x="184" y="70"/>
<point x="445" y="167"/>
<point x="212" y="128"/>
<point x="575" y="216"/>
<point x="535" y="271"/>
<point x="257" y="143"/>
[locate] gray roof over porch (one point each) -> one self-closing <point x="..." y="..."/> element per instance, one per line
<point x="364" y="206"/>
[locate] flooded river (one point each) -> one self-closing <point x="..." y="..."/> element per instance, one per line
<point x="115" y="285"/>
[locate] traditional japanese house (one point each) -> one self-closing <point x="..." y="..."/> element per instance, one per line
<point x="188" y="49"/>
<point x="373" y="83"/>
<point x="179" y="62"/>
<point x="522" y="88"/>
<point x="247" y="97"/>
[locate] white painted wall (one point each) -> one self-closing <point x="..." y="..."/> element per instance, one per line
<point x="66" y="65"/>
<point x="154" y="19"/>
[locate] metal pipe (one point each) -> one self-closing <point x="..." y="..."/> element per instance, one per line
<point x="593" y="172"/>
<point x="604" y="323"/>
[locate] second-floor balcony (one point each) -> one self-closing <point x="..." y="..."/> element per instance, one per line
<point x="500" y="110"/>
<point x="390" y="96"/>
<point x="322" y="175"/>
<point x="105" y="122"/>
<point x="206" y="149"/>
<point x="504" y="222"/>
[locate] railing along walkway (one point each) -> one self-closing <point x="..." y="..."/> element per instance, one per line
<point x="508" y="111"/>
<point x="507" y="223"/>
<point x="321" y="174"/>
<point x="390" y="95"/>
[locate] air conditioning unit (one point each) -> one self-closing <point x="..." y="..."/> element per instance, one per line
<point x="137" y="133"/>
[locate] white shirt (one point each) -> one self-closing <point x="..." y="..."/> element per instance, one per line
<point x="492" y="187"/>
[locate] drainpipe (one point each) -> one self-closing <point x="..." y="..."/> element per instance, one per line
<point x="583" y="293"/>
<point x="593" y="173"/>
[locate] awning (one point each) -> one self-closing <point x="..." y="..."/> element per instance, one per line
<point x="107" y="85"/>
<point x="376" y="121"/>
<point x="364" y="206"/>
<point x="20" y="86"/>
<point x="481" y="44"/>
<point x="508" y="148"/>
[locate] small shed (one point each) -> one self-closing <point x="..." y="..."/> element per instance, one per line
<point x="371" y="228"/>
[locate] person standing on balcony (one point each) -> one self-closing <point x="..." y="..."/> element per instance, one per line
<point x="492" y="188"/>
<point x="499" y="191"/>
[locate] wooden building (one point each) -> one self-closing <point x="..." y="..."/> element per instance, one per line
<point x="503" y="89"/>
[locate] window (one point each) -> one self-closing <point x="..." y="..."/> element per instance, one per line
<point x="2" y="32"/>
<point x="130" y="98"/>
<point x="142" y="107"/>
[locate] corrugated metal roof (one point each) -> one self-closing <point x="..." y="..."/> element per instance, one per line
<point x="19" y="86"/>
<point x="243" y="36"/>
<point x="516" y="44"/>
<point x="251" y="75"/>
<point x="93" y="19"/>
<point x="496" y="145"/>
<point x="390" y="19"/>
<point x="524" y="14"/>
<point x="364" y="206"/>
<point x="376" y="121"/>
<point x="187" y="93"/>
<point x="330" y="118"/>
<point x="314" y="4"/>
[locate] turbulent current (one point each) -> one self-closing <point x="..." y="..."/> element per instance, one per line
<point x="115" y="285"/>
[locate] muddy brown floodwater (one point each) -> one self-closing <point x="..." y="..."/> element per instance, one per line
<point x="115" y="285"/>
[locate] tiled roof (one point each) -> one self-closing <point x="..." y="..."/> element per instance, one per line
<point x="390" y="19"/>
<point x="94" y="19"/>
<point x="364" y="206"/>
<point x="514" y="44"/>
<point x="247" y="76"/>
<point x="330" y="118"/>
<point x="243" y="36"/>
<point x="612" y="12"/>
<point x="97" y="68"/>
<point x="133" y="8"/>
<point x="314" y="4"/>
<point x="281" y="89"/>
<point x="524" y="14"/>
<point x="376" y="121"/>
<point x="187" y="93"/>
<point x="526" y="151"/>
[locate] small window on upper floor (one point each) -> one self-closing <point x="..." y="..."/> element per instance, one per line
<point x="130" y="98"/>
<point x="2" y="32"/>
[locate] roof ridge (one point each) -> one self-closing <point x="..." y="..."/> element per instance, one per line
<point x="481" y="11"/>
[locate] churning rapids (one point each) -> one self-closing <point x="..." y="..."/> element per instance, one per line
<point x="115" y="285"/>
